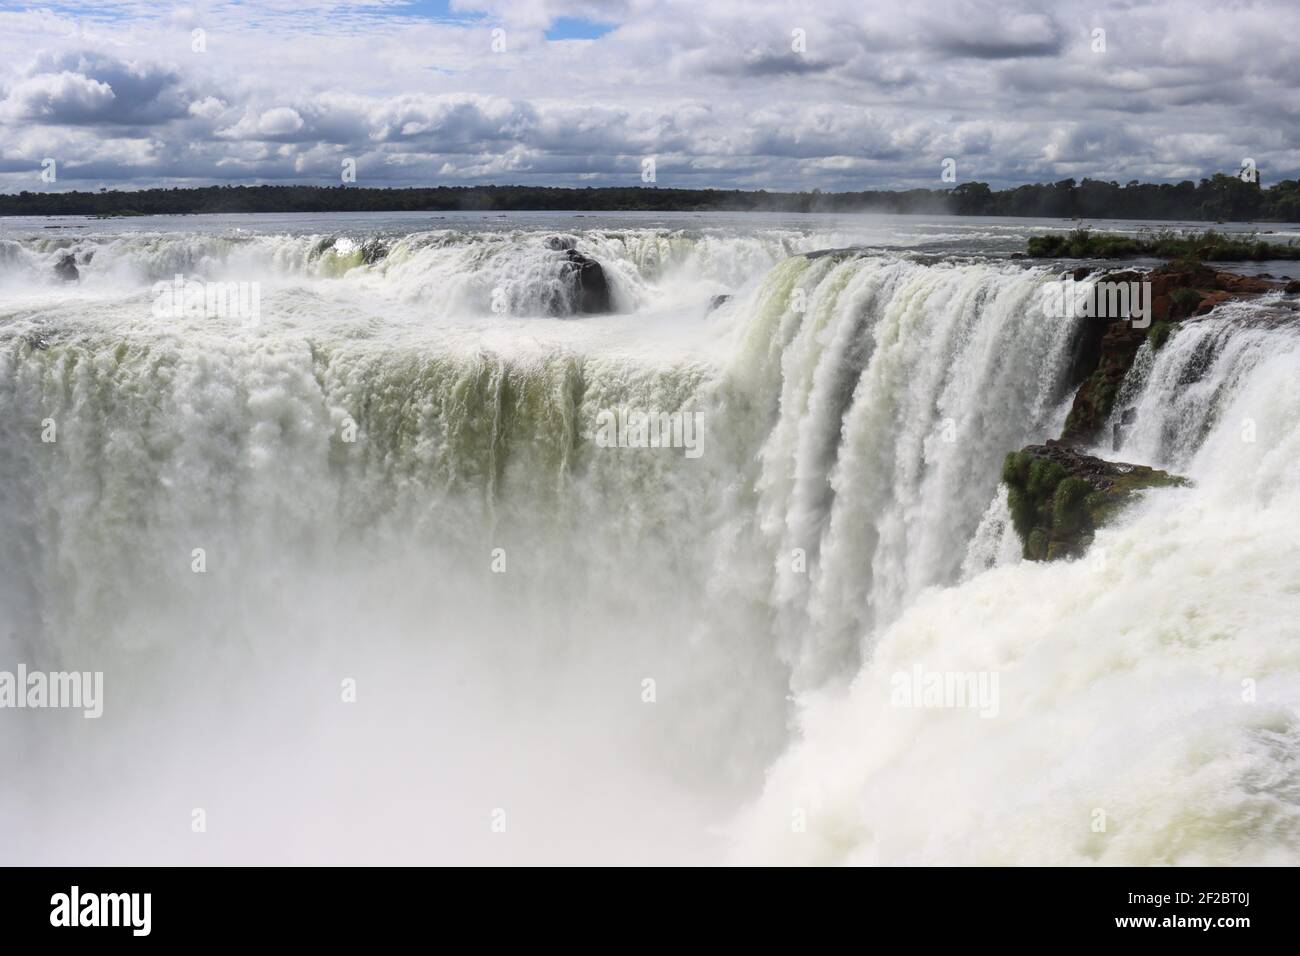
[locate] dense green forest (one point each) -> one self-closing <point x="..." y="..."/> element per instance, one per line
<point x="1220" y="198"/>
<point x="1207" y="246"/>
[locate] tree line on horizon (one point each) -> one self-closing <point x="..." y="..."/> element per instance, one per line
<point x="1220" y="198"/>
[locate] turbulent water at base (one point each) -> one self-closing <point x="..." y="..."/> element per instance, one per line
<point x="634" y="654"/>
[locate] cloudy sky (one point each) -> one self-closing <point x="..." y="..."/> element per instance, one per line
<point x="834" y="94"/>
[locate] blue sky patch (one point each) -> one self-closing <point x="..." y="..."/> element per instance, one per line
<point x="577" y="28"/>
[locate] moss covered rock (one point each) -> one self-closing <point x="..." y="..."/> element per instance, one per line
<point x="1059" y="497"/>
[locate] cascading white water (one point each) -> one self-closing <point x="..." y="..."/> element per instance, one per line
<point x="501" y="587"/>
<point x="898" y="387"/>
<point x="1148" y="693"/>
<point x="447" y="273"/>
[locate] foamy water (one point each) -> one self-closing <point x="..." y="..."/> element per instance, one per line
<point x="631" y="654"/>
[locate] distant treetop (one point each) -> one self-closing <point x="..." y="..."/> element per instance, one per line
<point x="1220" y="198"/>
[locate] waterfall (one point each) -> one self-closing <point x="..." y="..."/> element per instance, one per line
<point x="388" y="480"/>
<point x="1148" y="692"/>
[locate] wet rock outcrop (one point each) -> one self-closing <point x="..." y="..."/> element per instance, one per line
<point x="588" y="276"/>
<point x="1106" y="349"/>
<point x="1059" y="496"/>
<point x="66" y="268"/>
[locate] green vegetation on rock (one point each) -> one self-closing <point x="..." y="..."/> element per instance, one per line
<point x="1159" y="334"/>
<point x="1184" y="301"/>
<point x="1058" y="498"/>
